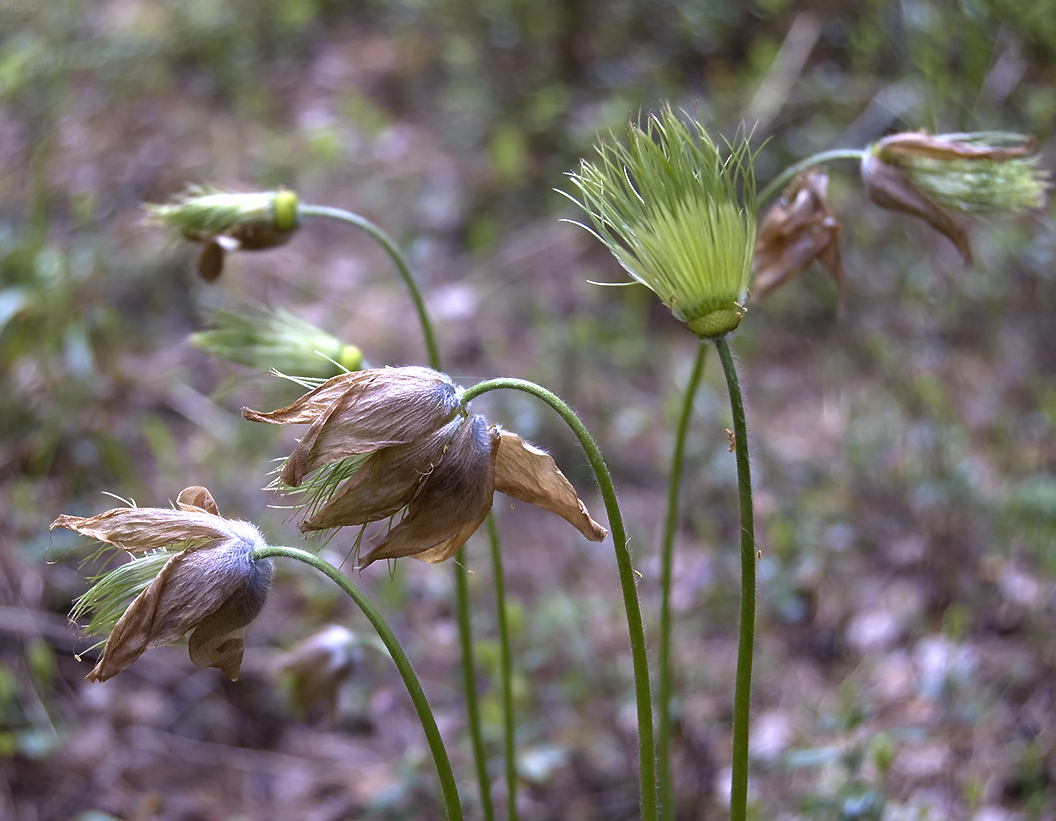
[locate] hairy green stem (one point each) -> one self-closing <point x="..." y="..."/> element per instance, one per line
<point x="781" y="180"/>
<point x="635" y="627"/>
<point x="465" y="629"/>
<point x="469" y="686"/>
<point x="448" y="786"/>
<point x="667" y="549"/>
<point x="393" y="250"/>
<point x="746" y="637"/>
<point x="506" y="672"/>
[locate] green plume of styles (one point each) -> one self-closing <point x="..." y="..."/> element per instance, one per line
<point x="678" y="214"/>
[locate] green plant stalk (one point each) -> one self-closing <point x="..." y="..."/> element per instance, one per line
<point x="635" y="627"/>
<point x="746" y="634"/>
<point x="667" y="548"/>
<point x="785" y="177"/>
<point x="465" y="630"/>
<point x="469" y="686"/>
<point x="393" y="250"/>
<point x="506" y="672"/>
<point x="448" y="785"/>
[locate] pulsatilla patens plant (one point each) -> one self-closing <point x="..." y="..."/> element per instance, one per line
<point x="399" y="444"/>
<point x="192" y="570"/>
<point x="679" y="216"/>
<point x="391" y="439"/>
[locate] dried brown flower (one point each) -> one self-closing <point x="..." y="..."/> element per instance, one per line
<point x="210" y="582"/>
<point x="799" y="229"/>
<point x="318" y="666"/>
<point x="408" y="446"/>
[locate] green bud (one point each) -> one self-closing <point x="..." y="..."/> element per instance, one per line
<point x="225" y="221"/>
<point x="267" y="339"/>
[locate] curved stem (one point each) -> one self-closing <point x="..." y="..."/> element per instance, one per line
<point x="667" y="550"/>
<point x="635" y="627"/>
<point x="505" y="672"/>
<point x="746" y="638"/>
<point x="396" y="255"/>
<point x="448" y="785"/>
<point x="782" y="179"/>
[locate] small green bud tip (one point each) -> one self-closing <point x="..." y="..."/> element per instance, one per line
<point x="350" y="357"/>
<point x="284" y="208"/>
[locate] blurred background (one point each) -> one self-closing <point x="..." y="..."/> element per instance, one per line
<point x="903" y="428"/>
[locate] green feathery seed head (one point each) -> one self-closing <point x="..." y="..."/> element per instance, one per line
<point x="200" y="211"/>
<point x="981" y="173"/>
<point x="678" y="215"/>
<point x="273" y="339"/>
<point x="111" y="592"/>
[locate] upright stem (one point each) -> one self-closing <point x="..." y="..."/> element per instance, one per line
<point x="782" y="179"/>
<point x="393" y="250"/>
<point x="746" y="639"/>
<point x="465" y="629"/>
<point x="448" y="786"/>
<point x="667" y="549"/>
<point x="469" y="686"/>
<point x="635" y="627"/>
<point x="506" y="673"/>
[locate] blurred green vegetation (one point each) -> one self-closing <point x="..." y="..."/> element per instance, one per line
<point x="903" y="429"/>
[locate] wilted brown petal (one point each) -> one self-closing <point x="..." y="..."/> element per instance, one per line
<point x="197" y="499"/>
<point x="796" y="231"/>
<point x="385" y="483"/>
<point x="139" y="529"/>
<point x="922" y="144"/>
<point x="451" y="503"/>
<point x="361" y="412"/>
<point x="310" y="406"/>
<point x="259" y="236"/>
<point x="211" y="261"/>
<point x="888" y="187"/>
<point x="527" y="473"/>
<point x="218" y="591"/>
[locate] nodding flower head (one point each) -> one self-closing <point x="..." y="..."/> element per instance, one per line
<point x="397" y="439"/>
<point x="266" y="338"/>
<point x="930" y="176"/>
<point x="226" y="221"/>
<point x="798" y="229"/>
<point x="678" y="215"/>
<point x="192" y="570"/>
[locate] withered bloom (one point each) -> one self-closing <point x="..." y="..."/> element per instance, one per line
<point x="196" y="571"/>
<point x="225" y="221"/>
<point x="799" y="229"/>
<point x="396" y="439"/>
<point x="318" y="666"/>
<point x="890" y="188"/>
<point x="930" y="176"/>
